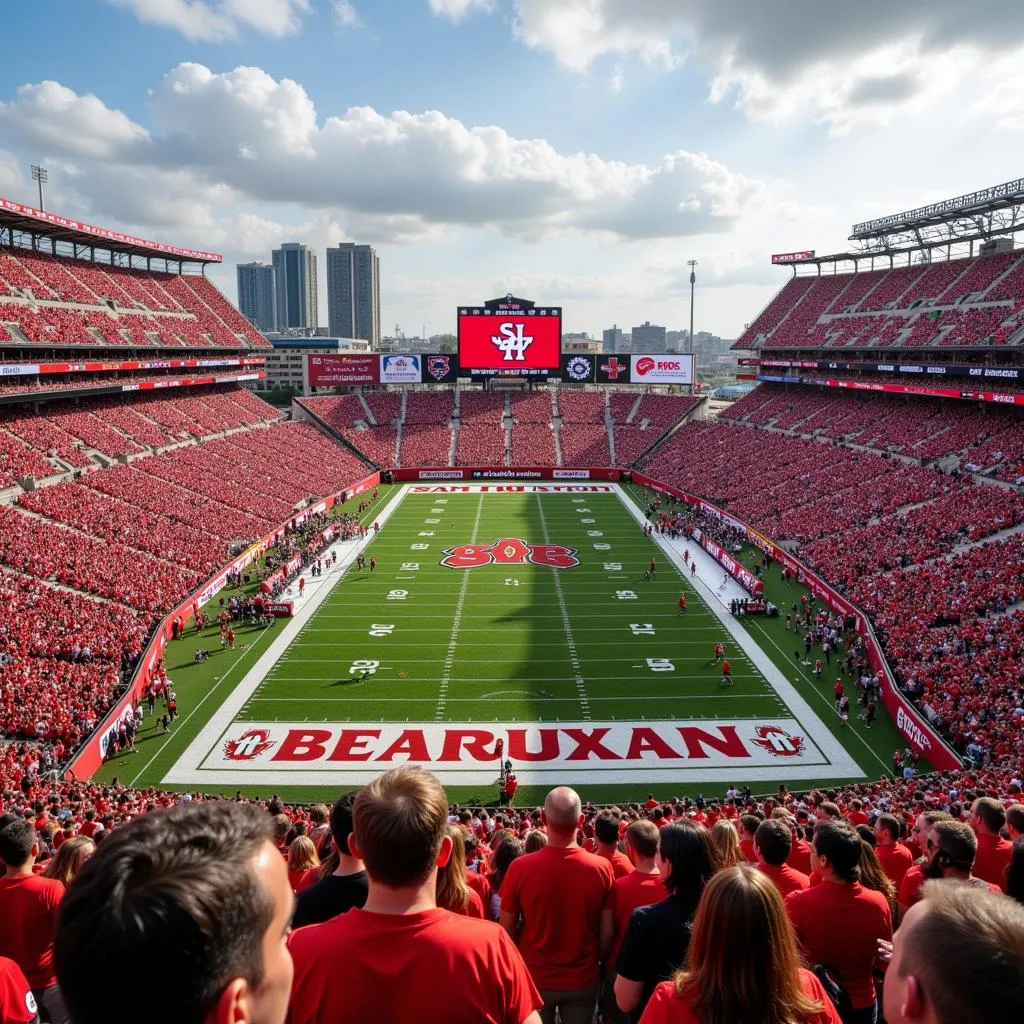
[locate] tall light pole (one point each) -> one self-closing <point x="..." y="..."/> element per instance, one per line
<point x="692" y="264"/>
<point x="40" y="176"/>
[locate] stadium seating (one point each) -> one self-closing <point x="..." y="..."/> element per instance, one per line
<point x="343" y="412"/>
<point x="583" y="436"/>
<point x="426" y="434"/>
<point x="481" y="439"/>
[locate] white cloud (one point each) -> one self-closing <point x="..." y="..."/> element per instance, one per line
<point x="458" y="9"/>
<point x="346" y="15"/>
<point x="404" y="174"/>
<point x="220" y="20"/>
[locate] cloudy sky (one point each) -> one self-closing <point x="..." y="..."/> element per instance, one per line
<point x="573" y="151"/>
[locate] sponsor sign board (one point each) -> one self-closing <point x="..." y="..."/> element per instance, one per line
<point x="613" y="369"/>
<point x="793" y="257"/>
<point x="440" y="368"/>
<point x="329" y="370"/>
<point x="514" y="342"/>
<point x="578" y="369"/>
<point x="666" y="368"/>
<point x="400" y="369"/>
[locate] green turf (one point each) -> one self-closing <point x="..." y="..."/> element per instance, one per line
<point x="511" y="659"/>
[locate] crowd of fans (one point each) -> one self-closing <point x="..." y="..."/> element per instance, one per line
<point x="776" y="909"/>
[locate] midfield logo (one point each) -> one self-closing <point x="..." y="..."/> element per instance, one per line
<point x="512" y="342"/>
<point x="510" y="551"/>
<point x="778" y="742"/>
<point x="248" y="746"/>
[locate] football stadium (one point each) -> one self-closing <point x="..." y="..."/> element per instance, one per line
<point x="558" y="639"/>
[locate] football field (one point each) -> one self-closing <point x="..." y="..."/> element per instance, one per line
<point x="513" y="619"/>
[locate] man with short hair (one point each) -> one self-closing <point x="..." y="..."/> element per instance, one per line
<point x="197" y="894"/>
<point x="910" y="887"/>
<point x="606" y="832"/>
<point x="773" y="842"/>
<point x="988" y="819"/>
<point x="895" y="859"/>
<point x="958" y="958"/>
<point x="551" y="904"/>
<point x="400" y="957"/>
<point x="828" y="811"/>
<point x="347" y="886"/>
<point x="1015" y="822"/>
<point x="28" y="910"/>
<point x="950" y="851"/>
<point x="840" y="923"/>
<point x="749" y="824"/>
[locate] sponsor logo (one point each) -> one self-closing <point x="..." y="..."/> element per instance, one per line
<point x="645" y="365"/>
<point x="571" y="474"/>
<point x="613" y="369"/>
<point x="510" y="551"/>
<point x="440" y="474"/>
<point x="777" y="741"/>
<point x="512" y="342"/>
<point x="912" y="730"/>
<point x="578" y="368"/>
<point x="249" y="745"/>
<point x="439" y="367"/>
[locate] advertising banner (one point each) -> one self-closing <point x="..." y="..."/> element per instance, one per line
<point x="331" y="370"/>
<point x="507" y="473"/>
<point x="668" y="368"/>
<point x="578" y="369"/>
<point x="613" y="369"/>
<point x="793" y="257"/>
<point x="400" y="369"/>
<point x="439" y="368"/>
<point x="526" y="343"/>
<point x="746" y="579"/>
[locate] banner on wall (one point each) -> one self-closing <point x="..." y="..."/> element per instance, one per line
<point x="400" y="369"/>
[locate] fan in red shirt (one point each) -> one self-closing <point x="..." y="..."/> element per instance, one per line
<point x="895" y="858"/>
<point x="759" y="978"/>
<point x="401" y="957"/>
<point x="910" y="888"/>
<point x="17" y="1003"/>
<point x="988" y="818"/>
<point x="840" y="923"/>
<point x="749" y="824"/>
<point x="639" y="888"/>
<point x="454" y="892"/>
<point x="773" y="841"/>
<point x="950" y="851"/>
<point x="28" y="912"/>
<point x="606" y="832"/>
<point x="551" y="903"/>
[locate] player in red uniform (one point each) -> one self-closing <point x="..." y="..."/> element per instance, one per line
<point x="726" y="673"/>
<point x="719" y="652"/>
<point x="682" y="603"/>
<point x="653" y="568"/>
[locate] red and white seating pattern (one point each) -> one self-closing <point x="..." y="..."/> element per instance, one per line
<point x="481" y="440"/>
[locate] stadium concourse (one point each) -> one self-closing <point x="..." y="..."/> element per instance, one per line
<point x="131" y="477"/>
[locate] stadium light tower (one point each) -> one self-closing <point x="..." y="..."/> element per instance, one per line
<point x="40" y="176"/>
<point x="692" y="264"/>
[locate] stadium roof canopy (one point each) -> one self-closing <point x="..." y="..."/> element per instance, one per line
<point x="955" y="225"/>
<point x="16" y="217"/>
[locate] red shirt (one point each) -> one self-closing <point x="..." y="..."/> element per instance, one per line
<point x="621" y="864"/>
<point x="799" y="858"/>
<point x="785" y="878"/>
<point x="17" y="1004"/>
<point x="28" y="911"/>
<point x="560" y="893"/>
<point x="637" y="889"/>
<point x="432" y="967"/>
<point x="474" y="908"/>
<point x="857" y="818"/>
<point x="896" y="861"/>
<point x="480" y="885"/>
<point x="666" y="1007"/>
<point x="910" y="887"/>
<point x="991" y="860"/>
<point x="840" y="925"/>
<point x="747" y="851"/>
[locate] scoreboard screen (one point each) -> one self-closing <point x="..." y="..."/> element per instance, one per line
<point x="523" y="342"/>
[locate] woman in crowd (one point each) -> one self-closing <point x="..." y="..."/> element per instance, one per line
<point x="760" y="979"/>
<point x="70" y="856"/>
<point x="658" y="935"/>
<point x="507" y="851"/>
<point x="535" y="840"/>
<point x="453" y="892"/>
<point x="303" y="863"/>
<point x="873" y="877"/>
<point x="726" y="841"/>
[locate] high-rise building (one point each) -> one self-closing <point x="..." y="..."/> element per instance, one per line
<point x="257" y="294"/>
<point x="353" y="292"/>
<point x="613" y="339"/>
<point x="648" y="338"/>
<point x="295" y="266"/>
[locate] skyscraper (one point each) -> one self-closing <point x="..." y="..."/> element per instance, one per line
<point x="613" y="339"/>
<point x="353" y="292"/>
<point x="295" y="266"/>
<point x="648" y="338"/>
<point x="257" y="294"/>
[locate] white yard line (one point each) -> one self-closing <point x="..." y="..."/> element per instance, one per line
<point x="453" y="640"/>
<point x="581" y="685"/>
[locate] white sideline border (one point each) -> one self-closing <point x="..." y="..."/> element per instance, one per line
<point x="839" y="764"/>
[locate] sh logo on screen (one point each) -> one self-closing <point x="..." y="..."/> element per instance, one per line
<point x="512" y="343"/>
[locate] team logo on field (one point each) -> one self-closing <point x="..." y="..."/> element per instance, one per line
<point x="777" y="741"/>
<point x="248" y="746"/>
<point x="438" y="367"/>
<point x="510" y="551"/>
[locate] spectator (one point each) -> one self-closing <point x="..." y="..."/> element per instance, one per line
<point x="551" y="903"/>
<point x="453" y="893"/>
<point x="759" y="980"/>
<point x="871" y="874"/>
<point x="749" y="824"/>
<point x="303" y="863"/>
<point x="893" y="856"/>
<point x="658" y="935"/>
<point x="509" y="849"/>
<point x="28" y="909"/>
<point x="726" y="843"/>
<point x="951" y="851"/>
<point x="17" y="1003"/>
<point x="347" y="886"/>
<point x="196" y="892"/>
<point x="1015" y="872"/>
<point x="606" y="832"/>
<point x="1015" y="822"/>
<point x="69" y="859"/>
<point x="773" y="842"/>
<point x="535" y="840"/>
<point x="988" y="818"/>
<point x="910" y="887"/>
<point x="958" y="958"/>
<point x="401" y="957"/>
<point x="850" y="950"/>
<point x="640" y="888"/>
